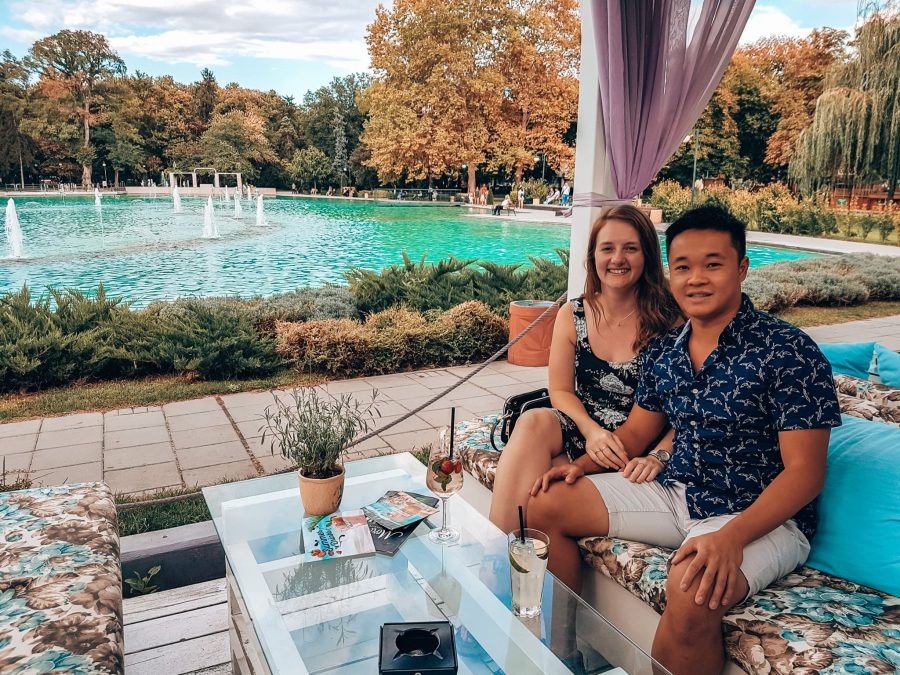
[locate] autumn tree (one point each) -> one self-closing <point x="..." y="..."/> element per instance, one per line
<point x="436" y="89"/>
<point x="206" y="94"/>
<point x="72" y="66"/>
<point x="539" y="100"/>
<point x="797" y="70"/>
<point x="855" y="131"/>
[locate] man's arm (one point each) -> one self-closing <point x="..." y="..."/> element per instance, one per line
<point x="803" y="453"/>
<point x="718" y="555"/>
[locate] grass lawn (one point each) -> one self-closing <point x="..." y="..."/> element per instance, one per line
<point x="807" y="317"/>
<point x="135" y="393"/>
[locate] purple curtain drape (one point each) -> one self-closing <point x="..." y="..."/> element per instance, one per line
<point x="656" y="77"/>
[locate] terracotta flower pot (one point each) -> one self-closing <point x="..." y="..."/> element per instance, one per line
<point x="321" y="496"/>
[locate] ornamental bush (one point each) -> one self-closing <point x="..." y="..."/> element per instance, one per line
<point x="393" y="340"/>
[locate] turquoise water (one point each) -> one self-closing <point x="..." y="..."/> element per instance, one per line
<point x="142" y="251"/>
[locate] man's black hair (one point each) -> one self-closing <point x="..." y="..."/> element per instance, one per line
<point x="713" y="218"/>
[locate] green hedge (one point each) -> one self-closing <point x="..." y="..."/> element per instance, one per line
<point x="425" y="286"/>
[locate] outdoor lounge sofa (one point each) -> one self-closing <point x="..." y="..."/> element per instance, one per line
<point x="808" y="622"/>
<point x="60" y="581"/>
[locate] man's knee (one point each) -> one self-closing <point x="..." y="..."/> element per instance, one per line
<point x="688" y="618"/>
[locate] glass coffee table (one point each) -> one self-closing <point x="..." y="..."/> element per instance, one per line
<point x="293" y="617"/>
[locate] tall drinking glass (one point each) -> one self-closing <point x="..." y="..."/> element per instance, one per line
<point x="444" y="477"/>
<point x="527" y="564"/>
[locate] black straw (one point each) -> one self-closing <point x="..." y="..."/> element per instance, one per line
<point x="521" y="525"/>
<point x="452" y="429"/>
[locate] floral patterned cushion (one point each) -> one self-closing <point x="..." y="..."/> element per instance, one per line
<point x="806" y="622"/>
<point x="868" y="400"/>
<point x="60" y="581"/>
<point x="473" y="443"/>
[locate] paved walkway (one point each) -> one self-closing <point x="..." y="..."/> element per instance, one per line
<point x="203" y="441"/>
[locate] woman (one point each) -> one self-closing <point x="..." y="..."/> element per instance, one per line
<point x="593" y="368"/>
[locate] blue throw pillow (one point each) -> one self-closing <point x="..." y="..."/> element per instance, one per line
<point x="859" y="508"/>
<point x="888" y="366"/>
<point x="850" y="358"/>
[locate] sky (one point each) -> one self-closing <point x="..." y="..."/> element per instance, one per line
<point x="291" y="46"/>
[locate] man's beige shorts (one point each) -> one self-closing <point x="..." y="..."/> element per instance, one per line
<point x="656" y="514"/>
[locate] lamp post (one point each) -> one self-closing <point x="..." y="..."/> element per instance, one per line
<point x="105" y="179"/>
<point x="694" y="178"/>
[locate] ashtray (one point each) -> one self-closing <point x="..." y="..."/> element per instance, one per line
<point x="428" y="648"/>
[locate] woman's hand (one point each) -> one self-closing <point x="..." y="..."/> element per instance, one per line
<point x="606" y="449"/>
<point x="567" y="472"/>
<point x="642" y="469"/>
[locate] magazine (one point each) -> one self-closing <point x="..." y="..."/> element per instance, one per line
<point x="338" y="535"/>
<point x="398" y="509"/>
<point x="389" y="541"/>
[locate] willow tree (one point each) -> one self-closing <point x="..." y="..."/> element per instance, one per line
<point x="855" y="131"/>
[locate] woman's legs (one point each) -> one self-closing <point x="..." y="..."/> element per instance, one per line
<point x="565" y="513"/>
<point x="535" y="443"/>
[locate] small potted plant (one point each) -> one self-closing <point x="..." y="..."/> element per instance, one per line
<point x="313" y="430"/>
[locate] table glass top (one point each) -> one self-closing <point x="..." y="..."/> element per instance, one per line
<point x="324" y="616"/>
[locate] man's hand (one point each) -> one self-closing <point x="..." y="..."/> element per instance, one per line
<point x="605" y="448"/>
<point x="718" y="557"/>
<point x="642" y="469"/>
<point x="567" y="472"/>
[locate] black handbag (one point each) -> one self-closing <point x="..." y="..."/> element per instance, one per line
<point x="512" y="410"/>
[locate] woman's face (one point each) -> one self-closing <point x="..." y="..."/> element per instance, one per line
<point x="618" y="256"/>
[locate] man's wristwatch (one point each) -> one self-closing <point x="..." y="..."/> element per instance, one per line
<point x="663" y="456"/>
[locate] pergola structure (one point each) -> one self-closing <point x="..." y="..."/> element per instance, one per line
<point x="208" y="169"/>
<point x="648" y="69"/>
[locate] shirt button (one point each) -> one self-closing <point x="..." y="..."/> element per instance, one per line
<point x="693" y="423"/>
<point x="696" y="445"/>
<point x="695" y="391"/>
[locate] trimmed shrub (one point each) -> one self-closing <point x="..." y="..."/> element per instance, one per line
<point x="393" y="340"/>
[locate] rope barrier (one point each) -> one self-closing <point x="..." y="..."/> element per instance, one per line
<point x="128" y="506"/>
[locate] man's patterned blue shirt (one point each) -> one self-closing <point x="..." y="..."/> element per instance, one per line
<point x="764" y="376"/>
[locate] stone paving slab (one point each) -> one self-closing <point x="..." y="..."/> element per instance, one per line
<point x="19" y="429"/>
<point x="80" y="473"/>
<point x="117" y="422"/>
<point x="78" y="421"/>
<point x="192" y="438"/>
<point x="207" y="455"/>
<point x="199" y="420"/>
<point x="13" y="445"/>
<point x="217" y="473"/>
<point x="129" y="438"/>
<point x="137" y="457"/>
<point x="67" y="456"/>
<point x="20" y="461"/>
<point x="60" y="439"/>
<point x="140" y="479"/>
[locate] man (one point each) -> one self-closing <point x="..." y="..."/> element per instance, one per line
<point x="752" y="403"/>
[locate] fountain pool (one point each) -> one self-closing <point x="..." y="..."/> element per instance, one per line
<point x="142" y="251"/>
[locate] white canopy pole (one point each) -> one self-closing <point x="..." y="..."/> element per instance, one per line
<point x="592" y="171"/>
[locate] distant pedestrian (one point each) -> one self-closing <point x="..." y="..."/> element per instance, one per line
<point x="565" y="194"/>
<point x="521" y="198"/>
<point x="484" y="192"/>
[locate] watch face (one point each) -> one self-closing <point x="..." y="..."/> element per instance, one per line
<point x="662" y="455"/>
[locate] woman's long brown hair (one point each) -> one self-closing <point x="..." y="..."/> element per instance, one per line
<point x="656" y="306"/>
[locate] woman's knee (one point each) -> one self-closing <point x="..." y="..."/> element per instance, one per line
<point x="548" y="509"/>
<point x="536" y="426"/>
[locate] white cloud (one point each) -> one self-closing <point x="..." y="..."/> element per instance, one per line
<point x="766" y="20"/>
<point x="212" y="32"/>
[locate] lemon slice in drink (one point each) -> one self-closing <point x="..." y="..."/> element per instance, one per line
<point x="532" y="547"/>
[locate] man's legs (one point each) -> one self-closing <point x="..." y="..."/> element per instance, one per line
<point x="534" y="447"/>
<point x="689" y="636"/>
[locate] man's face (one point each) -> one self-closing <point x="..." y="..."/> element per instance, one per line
<point x="705" y="273"/>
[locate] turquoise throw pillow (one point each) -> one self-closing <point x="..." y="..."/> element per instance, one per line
<point x="888" y="366"/>
<point x="850" y="358"/>
<point x="859" y="508"/>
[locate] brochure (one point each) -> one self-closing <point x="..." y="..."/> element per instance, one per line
<point x="389" y="541"/>
<point x="398" y="509"/>
<point x="338" y="535"/>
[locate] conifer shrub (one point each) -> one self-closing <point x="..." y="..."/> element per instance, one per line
<point x="393" y="340"/>
<point x="425" y="286"/>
